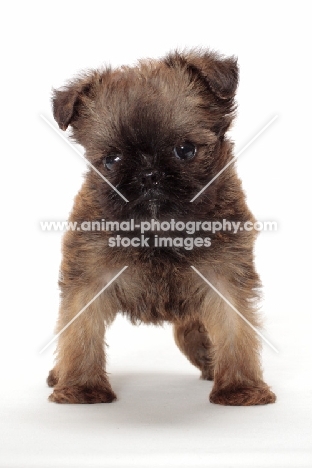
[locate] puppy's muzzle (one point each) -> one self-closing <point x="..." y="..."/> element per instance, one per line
<point x="150" y="179"/>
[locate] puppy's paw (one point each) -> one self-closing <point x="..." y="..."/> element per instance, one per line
<point x="207" y="374"/>
<point x="82" y="394"/>
<point x="243" y="396"/>
<point x="52" y="378"/>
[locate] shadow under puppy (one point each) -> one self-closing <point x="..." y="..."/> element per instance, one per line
<point x="156" y="131"/>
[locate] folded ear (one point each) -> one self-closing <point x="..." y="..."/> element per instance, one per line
<point x="220" y="73"/>
<point x="66" y="101"/>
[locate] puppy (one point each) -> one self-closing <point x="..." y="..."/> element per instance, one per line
<point x="157" y="133"/>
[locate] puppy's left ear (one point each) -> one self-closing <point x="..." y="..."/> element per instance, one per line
<point x="220" y="73"/>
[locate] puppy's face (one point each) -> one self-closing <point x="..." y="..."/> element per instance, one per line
<point x="154" y="131"/>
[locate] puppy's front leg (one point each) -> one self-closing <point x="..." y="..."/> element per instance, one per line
<point x="237" y="371"/>
<point x="79" y="375"/>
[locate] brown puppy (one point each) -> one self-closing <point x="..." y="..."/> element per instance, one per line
<point x="156" y="131"/>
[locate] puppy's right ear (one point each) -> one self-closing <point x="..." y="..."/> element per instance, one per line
<point x="67" y="101"/>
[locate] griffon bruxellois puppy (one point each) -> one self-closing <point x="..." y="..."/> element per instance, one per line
<point x="156" y="132"/>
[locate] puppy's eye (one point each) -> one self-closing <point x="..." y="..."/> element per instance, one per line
<point x="111" y="160"/>
<point x="185" y="151"/>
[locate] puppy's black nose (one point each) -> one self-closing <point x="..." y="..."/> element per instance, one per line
<point x="150" y="179"/>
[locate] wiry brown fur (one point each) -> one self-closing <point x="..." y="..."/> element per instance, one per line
<point x="142" y="113"/>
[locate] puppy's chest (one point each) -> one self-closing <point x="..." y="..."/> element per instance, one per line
<point x="155" y="295"/>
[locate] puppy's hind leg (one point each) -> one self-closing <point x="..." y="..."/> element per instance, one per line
<point x="52" y="378"/>
<point x="192" y="339"/>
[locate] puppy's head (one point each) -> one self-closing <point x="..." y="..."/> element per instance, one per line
<point x="155" y="131"/>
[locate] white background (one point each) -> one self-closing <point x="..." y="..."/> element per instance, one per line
<point x="163" y="416"/>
